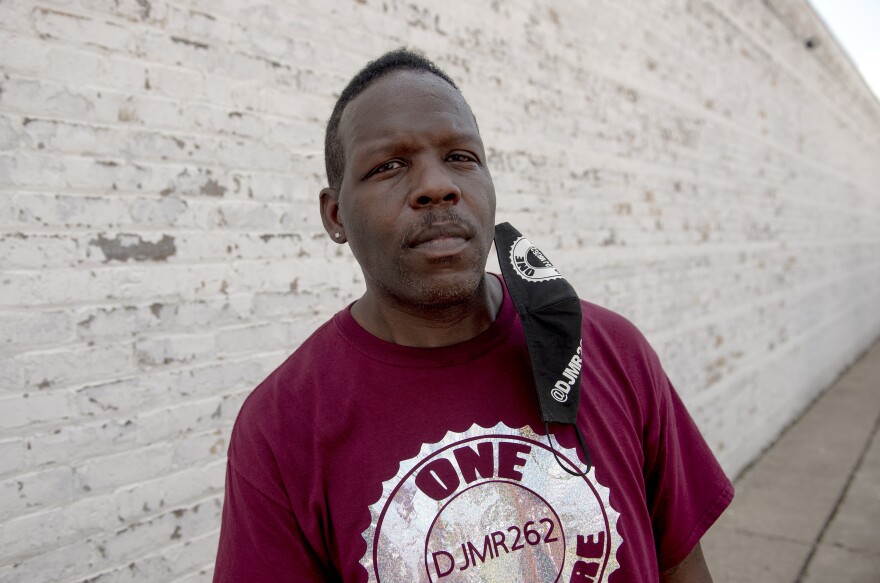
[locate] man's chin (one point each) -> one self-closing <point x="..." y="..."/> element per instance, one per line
<point x="446" y="291"/>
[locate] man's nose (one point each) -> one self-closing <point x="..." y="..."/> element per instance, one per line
<point x="434" y="185"/>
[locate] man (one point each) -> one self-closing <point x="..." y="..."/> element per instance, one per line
<point x="403" y="440"/>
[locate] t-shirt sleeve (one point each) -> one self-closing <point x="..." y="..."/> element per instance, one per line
<point x="686" y="488"/>
<point x="261" y="540"/>
<point x="269" y="530"/>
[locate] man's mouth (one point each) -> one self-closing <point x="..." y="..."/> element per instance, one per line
<point x="441" y="244"/>
<point x="440" y="238"/>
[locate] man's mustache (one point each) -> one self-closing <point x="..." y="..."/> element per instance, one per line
<point x="438" y="223"/>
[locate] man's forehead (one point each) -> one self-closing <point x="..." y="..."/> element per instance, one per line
<point x="393" y="83"/>
<point x="400" y="94"/>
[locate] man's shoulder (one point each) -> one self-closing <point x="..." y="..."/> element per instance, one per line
<point x="279" y="412"/>
<point x="290" y="383"/>
<point x="326" y="337"/>
<point x="616" y="342"/>
<point x="611" y="325"/>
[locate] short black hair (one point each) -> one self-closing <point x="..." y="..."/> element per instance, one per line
<point x="398" y="59"/>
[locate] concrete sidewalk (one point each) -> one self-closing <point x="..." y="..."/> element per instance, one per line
<point x="809" y="510"/>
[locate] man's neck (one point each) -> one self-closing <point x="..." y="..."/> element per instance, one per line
<point x="430" y="327"/>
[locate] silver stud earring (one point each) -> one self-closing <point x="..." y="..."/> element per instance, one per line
<point x="337" y="235"/>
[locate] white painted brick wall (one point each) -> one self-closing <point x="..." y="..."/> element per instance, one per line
<point x="691" y="164"/>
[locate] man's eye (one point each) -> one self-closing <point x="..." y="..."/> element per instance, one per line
<point x="388" y="166"/>
<point x="459" y="157"/>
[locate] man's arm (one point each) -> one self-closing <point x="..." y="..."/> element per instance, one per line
<point x="262" y="541"/>
<point x="692" y="569"/>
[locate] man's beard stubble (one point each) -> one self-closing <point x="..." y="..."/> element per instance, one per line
<point x="456" y="293"/>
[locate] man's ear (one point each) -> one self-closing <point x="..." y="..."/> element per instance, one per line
<point x="330" y="215"/>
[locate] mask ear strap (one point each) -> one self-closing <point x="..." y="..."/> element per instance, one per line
<point x="583" y="448"/>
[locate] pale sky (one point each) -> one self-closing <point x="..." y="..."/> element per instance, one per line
<point x="856" y="25"/>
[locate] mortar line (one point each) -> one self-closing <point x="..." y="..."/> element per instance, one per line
<point x="803" y="571"/>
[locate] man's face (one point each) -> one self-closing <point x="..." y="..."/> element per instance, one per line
<point x="417" y="203"/>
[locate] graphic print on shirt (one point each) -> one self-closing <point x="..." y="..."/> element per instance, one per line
<point x="491" y="505"/>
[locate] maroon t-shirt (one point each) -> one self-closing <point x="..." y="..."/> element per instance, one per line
<point x="361" y="460"/>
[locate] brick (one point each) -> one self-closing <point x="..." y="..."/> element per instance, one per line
<point x="82" y="29"/>
<point x="203" y="447"/>
<point x="46" y="487"/>
<point x="199" y="314"/>
<point x="19" y="53"/>
<point x="83" y="441"/>
<point x="115" y="321"/>
<point x="281" y="304"/>
<point x="189" y="556"/>
<point x="38" y="250"/>
<point x="176" y="82"/>
<point x="8" y="136"/>
<point x="201" y="416"/>
<point x="6" y="209"/>
<point x="73" y="364"/>
<point x="179" y="348"/>
<point x="72" y="210"/>
<point x="55" y="527"/>
<point x="140" y="500"/>
<point x="20" y="410"/>
<point x="169" y="526"/>
<point x="59" y="564"/>
<point x="20" y="329"/>
<point x="203" y="575"/>
<point x="71" y="64"/>
<point x="110" y="284"/>
<point x="113" y="471"/>
<point x="107" y="436"/>
<point x="253" y="338"/>
<point x="206" y="423"/>
<point x="12" y="455"/>
<point x="199" y="381"/>
<point x="159" y="566"/>
<point x="130" y="10"/>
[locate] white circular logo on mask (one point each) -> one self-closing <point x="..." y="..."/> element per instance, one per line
<point x="530" y="263"/>
<point x="491" y="505"/>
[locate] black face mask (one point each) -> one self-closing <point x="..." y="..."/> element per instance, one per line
<point x="550" y="312"/>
